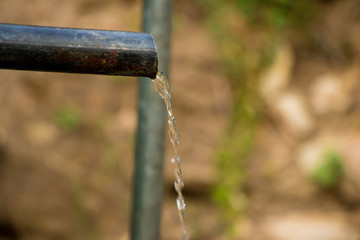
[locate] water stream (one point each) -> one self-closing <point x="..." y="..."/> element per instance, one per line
<point x="162" y="86"/>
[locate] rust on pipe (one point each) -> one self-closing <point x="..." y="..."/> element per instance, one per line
<point x="70" y="50"/>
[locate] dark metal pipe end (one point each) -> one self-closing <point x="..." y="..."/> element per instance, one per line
<point x="70" y="50"/>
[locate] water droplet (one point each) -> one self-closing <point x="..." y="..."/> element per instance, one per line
<point x="180" y="203"/>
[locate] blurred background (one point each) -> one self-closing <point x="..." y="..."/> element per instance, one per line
<point x="267" y="100"/>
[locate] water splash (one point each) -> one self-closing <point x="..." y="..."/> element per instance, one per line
<point x="162" y="86"/>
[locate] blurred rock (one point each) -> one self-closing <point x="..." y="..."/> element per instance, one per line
<point x="329" y="95"/>
<point x="310" y="156"/>
<point x="310" y="226"/>
<point x="244" y="228"/>
<point x="277" y="77"/>
<point x="124" y="236"/>
<point x="41" y="133"/>
<point x="311" y="153"/>
<point x="292" y="111"/>
<point x="125" y="121"/>
<point x="351" y="152"/>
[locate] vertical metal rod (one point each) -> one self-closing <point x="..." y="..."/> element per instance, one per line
<point x="149" y="153"/>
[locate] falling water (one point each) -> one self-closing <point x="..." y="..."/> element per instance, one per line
<point x="162" y="86"/>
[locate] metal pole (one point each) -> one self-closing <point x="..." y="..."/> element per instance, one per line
<point x="149" y="154"/>
<point x="72" y="50"/>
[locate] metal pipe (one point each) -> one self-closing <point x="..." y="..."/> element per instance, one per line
<point x="72" y="50"/>
<point x="149" y="154"/>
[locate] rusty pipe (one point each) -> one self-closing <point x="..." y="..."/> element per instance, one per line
<point x="70" y="50"/>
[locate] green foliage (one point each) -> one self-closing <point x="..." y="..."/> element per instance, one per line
<point x="279" y="14"/>
<point x="68" y="118"/>
<point x="231" y="157"/>
<point x="329" y="172"/>
<point x="247" y="33"/>
<point x="229" y="192"/>
<point x="241" y="65"/>
<point x="244" y="51"/>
